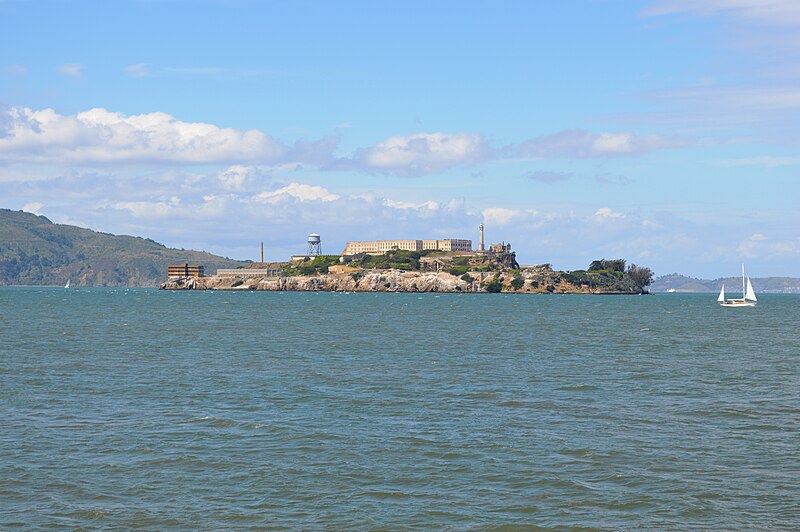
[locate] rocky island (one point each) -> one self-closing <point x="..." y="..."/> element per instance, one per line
<point x="435" y="271"/>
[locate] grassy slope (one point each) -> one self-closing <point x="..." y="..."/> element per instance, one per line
<point x="35" y="251"/>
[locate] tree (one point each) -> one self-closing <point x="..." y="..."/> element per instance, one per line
<point x="642" y="276"/>
<point x="613" y="265"/>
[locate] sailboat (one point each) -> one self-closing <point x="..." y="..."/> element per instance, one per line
<point x="748" y="295"/>
<point x="67" y="285"/>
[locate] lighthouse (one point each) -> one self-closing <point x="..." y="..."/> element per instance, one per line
<point x="480" y="240"/>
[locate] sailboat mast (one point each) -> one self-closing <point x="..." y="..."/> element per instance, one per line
<point x="743" y="290"/>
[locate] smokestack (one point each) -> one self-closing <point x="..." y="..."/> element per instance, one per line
<point x="262" y="253"/>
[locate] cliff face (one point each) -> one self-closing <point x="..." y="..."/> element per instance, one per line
<point x="362" y="281"/>
<point x="387" y="281"/>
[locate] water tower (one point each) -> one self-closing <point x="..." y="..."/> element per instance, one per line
<point x="314" y="245"/>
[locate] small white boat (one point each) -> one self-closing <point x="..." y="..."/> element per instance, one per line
<point x="748" y="295"/>
<point x="67" y="285"/>
<point x="671" y="290"/>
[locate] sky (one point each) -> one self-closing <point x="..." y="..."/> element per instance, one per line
<point x="664" y="132"/>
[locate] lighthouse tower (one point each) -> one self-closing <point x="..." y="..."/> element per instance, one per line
<point x="480" y="240"/>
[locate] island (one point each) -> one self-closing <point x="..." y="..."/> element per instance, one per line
<point x="399" y="270"/>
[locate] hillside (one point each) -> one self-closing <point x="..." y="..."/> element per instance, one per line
<point x="35" y="251"/>
<point x="682" y="283"/>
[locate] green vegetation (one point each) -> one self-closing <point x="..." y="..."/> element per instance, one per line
<point x="641" y="276"/>
<point x="611" y="275"/>
<point x="517" y="282"/>
<point x="615" y="265"/>
<point x="458" y="270"/>
<point x="495" y="285"/>
<point x="35" y="251"/>
<point x="395" y="259"/>
<point x="314" y="266"/>
<point x="237" y="282"/>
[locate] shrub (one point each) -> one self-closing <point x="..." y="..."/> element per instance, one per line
<point x="495" y="285"/>
<point x="467" y="278"/>
<point x="236" y="283"/>
<point x="517" y="282"/>
<point x="550" y="288"/>
<point x="458" y="270"/>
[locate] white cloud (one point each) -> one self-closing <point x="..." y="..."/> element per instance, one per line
<point x="604" y="213"/>
<point x="759" y="246"/>
<point x="296" y="192"/>
<point x="423" y="153"/>
<point x="237" y="176"/>
<point x="34" y="207"/>
<point x="578" y="143"/>
<point x="613" y="143"/>
<point x="99" y="136"/>
<point x="430" y="205"/>
<point x="499" y="215"/>
<point x="71" y="70"/>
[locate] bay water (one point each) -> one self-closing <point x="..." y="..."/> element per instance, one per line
<point x="140" y="409"/>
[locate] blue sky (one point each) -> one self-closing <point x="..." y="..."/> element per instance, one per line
<point x="665" y="132"/>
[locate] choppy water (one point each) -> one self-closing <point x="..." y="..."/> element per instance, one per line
<point x="209" y="410"/>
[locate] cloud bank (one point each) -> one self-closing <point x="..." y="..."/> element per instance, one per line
<point x="100" y="137"/>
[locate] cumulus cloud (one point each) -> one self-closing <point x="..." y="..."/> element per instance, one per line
<point x="499" y="215"/>
<point x="604" y="214"/>
<point x="99" y="136"/>
<point x="580" y="143"/>
<point x="71" y="70"/>
<point x="296" y="192"/>
<point x="423" y="153"/>
<point x="238" y="177"/>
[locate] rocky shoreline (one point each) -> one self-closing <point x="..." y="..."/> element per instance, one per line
<point x="525" y="281"/>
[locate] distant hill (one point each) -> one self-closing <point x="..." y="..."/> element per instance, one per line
<point x="35" y="251"/>
<point x="682" y="283"/>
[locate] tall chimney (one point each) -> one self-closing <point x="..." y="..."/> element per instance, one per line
<point x="262" y="253"/>
<point x="480" y="242"/>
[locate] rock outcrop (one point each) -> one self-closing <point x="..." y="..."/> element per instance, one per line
<point x="512" y="281"/>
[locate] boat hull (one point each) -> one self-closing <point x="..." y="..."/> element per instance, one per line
<point x="737" y="304"/>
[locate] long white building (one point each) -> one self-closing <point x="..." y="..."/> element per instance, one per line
<point x="380" y="247"/>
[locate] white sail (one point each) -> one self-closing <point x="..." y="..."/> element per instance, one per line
<point x="67" y="285"/>
<point x="721" y="297"/>
<point x="750" y="294"/>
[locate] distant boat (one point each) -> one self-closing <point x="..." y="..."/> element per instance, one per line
<point x="748" y="295"/>
<point x="67" y="285"/>
<point x="671" y="290"/>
